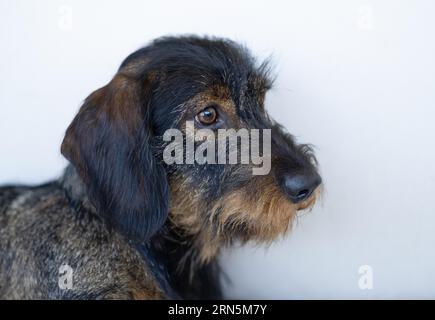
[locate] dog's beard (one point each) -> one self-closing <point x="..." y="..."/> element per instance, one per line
<point x="258" y="212"/>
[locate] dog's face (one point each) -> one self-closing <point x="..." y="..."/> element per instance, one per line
<point x="117" y="142"/>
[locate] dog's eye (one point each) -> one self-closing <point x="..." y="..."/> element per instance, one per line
<point x="207" y="116"/>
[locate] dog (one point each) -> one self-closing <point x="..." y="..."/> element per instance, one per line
<point x="121" y="223"/>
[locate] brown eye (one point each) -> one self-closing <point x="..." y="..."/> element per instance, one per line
<point x="207" y="116"/>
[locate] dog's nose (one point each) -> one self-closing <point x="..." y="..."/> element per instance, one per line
<point x="300" y="186"/>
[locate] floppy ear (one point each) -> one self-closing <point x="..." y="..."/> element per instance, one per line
<point x="110" y="143"/>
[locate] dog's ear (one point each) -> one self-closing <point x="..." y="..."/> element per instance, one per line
<point x="110" y="143"/>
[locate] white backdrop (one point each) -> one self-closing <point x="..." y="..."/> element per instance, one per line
<point x="355" y="78"/>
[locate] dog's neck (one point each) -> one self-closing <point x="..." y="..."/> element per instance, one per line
<point x="172" y="251"/>
<point x="75" y="189"/>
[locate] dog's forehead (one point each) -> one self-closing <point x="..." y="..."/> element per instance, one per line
<point x="197" y="64"/>
<point x="205" y="70"/>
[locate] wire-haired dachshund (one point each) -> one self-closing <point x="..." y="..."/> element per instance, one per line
<point x="121" y="223"/>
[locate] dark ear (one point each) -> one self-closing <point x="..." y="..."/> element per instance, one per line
<point x="110" y="144"/>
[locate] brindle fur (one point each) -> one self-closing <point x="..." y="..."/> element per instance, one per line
<point x="130" y="226"/>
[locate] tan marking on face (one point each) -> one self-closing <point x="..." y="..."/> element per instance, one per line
<point x="258" y="212"/>
<point x="216" y="95"/>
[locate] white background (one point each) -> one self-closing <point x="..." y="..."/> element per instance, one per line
<point x="355" y="78"/>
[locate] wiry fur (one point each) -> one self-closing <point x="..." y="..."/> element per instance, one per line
<point x="129" y="225"/>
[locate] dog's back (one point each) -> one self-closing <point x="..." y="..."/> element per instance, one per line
<point x="15" y="251"/>
<point x="43" y="237"/>
<point x="9" y="194"/>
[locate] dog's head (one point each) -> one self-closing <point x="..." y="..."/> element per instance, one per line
<point x="117" y="144"/>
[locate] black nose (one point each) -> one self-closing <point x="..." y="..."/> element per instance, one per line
<point x="300" y="186"/>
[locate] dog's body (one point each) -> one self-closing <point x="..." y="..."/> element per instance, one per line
<point x="45" y="227"/>
<point x="122" y="223"/>
<point x="40" y="232"/>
